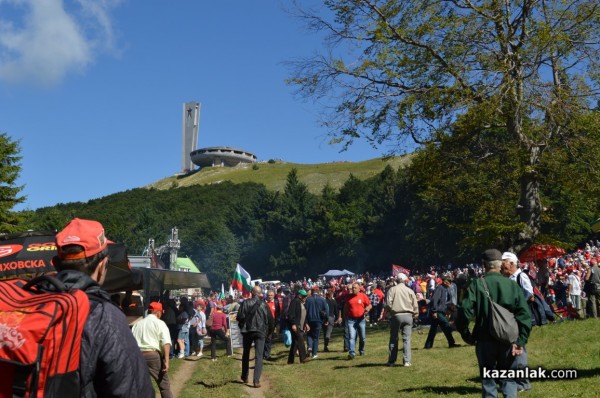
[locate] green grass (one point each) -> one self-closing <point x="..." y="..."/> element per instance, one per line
<point x="439" y="371"/>
<point x="273" y="175"/>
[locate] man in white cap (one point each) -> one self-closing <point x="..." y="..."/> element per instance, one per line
<point x="510" y="268"/>
<point x="401" y="305"/>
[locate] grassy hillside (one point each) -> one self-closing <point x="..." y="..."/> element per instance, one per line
<point x="273" y="175"/>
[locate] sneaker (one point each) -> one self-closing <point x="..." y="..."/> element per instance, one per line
<point x="326" y="349"/>
<point x="350" y="356"/>
<point x="315" y="356"/>
<point x="199" y="354"/>
<point x="214" y="359"/>
<point x="454" y="345"/>
<point x="407" y="364"/>
<point x="390" y="364"/>
<point x="180" y="355"/>
<point x="361" y="353"/>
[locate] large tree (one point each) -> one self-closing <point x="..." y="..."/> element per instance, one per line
<point x="9" y="191"/>
<point x="404" y="71"/>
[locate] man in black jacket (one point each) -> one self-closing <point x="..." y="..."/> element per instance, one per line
<point x="111" y="363"/>
<point x="440" y="303"/>
<point x="275" y="309"/>
<point x="255" y="320"/>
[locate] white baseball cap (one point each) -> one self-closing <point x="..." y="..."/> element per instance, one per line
<point x="512" y="257"/>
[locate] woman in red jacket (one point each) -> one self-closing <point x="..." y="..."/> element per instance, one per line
<point x="219" y="330"/>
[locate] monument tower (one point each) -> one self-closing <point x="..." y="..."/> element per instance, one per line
<point x="191" y="117"/>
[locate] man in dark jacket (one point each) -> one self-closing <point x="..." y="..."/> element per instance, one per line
<point x="317" y="313"/>
<point x="111" y="363"/>
<point x="275" y="309"/>
<point x="255" y="320"/>
<point x="297" y="324"/>
<point x="441" y="303"/>
<point x="494" y="356"/>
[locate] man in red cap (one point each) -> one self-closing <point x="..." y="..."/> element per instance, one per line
<point x="111" y="363"/>
<point x="153" y="337"/>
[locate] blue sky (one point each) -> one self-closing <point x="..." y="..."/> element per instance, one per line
<point x="93" y="90"/>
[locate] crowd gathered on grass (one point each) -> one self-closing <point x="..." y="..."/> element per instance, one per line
<point x="561" y="280"/>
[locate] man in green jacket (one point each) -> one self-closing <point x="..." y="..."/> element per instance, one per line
<point x="492" y="355"/>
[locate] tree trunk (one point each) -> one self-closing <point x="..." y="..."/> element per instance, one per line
<point x="530" y="206"/>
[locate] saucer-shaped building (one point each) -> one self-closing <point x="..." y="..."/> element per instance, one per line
<point x="221" y="156"/>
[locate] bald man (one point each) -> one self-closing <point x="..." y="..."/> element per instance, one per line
<point x="255" y="320"/>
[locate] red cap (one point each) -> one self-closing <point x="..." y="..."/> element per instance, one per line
<point x="85" y="233"/>
<point x="155" y="306"/>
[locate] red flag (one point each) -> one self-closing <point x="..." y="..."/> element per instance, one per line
<point x="396" y="269"/>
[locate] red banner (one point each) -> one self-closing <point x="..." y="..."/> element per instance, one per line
<point x="396" y="269"/>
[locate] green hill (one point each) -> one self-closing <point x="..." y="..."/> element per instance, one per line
<point x="273" y="174"/>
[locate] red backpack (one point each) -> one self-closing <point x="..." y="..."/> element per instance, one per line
<point x="40" y="338"/>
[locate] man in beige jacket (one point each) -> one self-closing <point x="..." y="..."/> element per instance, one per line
<point x="401" y="305"/>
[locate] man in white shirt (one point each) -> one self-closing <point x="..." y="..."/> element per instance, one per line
<point x="401" y="305"/>
<point x="573" y="288"/>
<point x="153" y="338"/>
<point x="510" y="268"/>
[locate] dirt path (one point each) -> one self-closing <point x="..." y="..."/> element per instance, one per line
<point x="186" y="370"/>
<point x="249" y="388"/>
<point x="178" y="379"/>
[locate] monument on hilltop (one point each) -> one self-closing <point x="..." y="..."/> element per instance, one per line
<point x="219" y="156"/>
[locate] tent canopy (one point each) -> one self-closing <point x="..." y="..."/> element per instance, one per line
<point x="336" y="272"/>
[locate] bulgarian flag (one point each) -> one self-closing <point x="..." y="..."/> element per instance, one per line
<point x="241" y="280"/>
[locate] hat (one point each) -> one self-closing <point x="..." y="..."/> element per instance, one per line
<point x="447" y="278"/>
<point x="302" y="292"/>
<point x="491" y="255"/>
<point x="85" y="233"/>
<point x="401" y="277"/>
<point x="512" y="257"/>
<point x="155" y="306"/>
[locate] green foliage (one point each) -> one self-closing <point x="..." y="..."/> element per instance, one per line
<point x="403" y="71"/>
<point x="9" y="192"/>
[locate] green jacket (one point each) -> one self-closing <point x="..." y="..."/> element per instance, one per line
<point x="476" y="305"/>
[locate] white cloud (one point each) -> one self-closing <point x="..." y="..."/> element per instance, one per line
<point x="52" y="38"/>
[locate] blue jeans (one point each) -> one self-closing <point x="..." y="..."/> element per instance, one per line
<point x="354" y="325"/>
<point x="495" y="355"/>
<point x="313" y="336"/>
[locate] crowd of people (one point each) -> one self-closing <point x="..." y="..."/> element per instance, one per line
<point x="568" y="287"/>
<point x="565" y="287"/>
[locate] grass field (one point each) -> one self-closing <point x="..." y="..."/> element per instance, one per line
<point x="273" y="175"/>
<point x="435" y="372"/>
